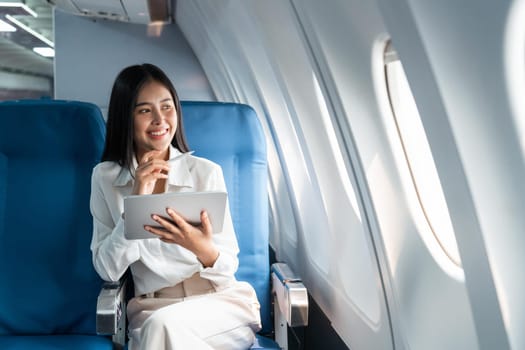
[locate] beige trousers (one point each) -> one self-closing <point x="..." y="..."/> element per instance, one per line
<point x="193" y="315"/>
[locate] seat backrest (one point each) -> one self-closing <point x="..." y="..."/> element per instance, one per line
<point x="231" y="135"/>
<point x="47" y="151"/>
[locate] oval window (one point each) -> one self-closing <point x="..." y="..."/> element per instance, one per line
<point x="418" y="155"/>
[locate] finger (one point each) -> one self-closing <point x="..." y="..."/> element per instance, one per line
<point x="168" y="225"/>
<point x="179" y="220"/>
<point x="151" y="177"/>
<point x="162" y="233"/>
<point x="155" y="165"/>
<point x="205" y="222"/>
<point x="148" y="156"/>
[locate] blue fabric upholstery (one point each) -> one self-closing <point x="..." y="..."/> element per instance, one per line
<point x="231" y="135"/>
<point x="48" y="287"/>
<point x="63" y="342"/>
<point x="265" y="344"/>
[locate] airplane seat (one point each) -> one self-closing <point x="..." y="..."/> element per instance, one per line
<point x="48" y="286"/>
<point x="231" y="135"/>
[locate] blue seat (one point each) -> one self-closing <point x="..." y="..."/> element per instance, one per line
<point x="231" y="135"/>
<point x="48" y="287"/>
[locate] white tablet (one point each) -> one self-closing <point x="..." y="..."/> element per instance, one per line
<point x="138" y="210"/>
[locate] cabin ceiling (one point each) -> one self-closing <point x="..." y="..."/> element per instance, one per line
<point x="16" y="48"/>
<point x="16" y="54"/>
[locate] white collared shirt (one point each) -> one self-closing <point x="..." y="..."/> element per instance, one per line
<point x="155" y="264"/>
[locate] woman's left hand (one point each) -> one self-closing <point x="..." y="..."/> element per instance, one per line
<point x="195" y="238"/>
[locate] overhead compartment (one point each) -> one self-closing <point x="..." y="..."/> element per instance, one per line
<point x="134" y="11"/>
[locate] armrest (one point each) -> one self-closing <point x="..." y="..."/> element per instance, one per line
<point x="291" y="295"/>
<point x="111" y="310"/>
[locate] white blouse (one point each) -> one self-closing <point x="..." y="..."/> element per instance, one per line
<point x="155" y="264"/>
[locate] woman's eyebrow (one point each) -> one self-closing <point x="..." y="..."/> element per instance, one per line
<point x="149" y="103"/>
<point x="142" y="104"/>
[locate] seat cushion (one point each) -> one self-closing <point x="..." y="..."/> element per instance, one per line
<point x="54" y="342"/>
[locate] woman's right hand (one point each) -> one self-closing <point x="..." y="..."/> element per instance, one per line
<point x="148" y="172"/>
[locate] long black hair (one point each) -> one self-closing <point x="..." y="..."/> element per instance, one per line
<point x="119" y="126"/>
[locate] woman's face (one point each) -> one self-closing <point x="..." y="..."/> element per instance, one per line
<point x="155" y="120"/>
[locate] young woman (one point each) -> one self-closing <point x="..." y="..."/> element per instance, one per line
<point x="186" y="295"/>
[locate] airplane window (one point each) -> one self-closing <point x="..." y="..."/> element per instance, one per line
<point x="423" y="173"/>
<point x="336" y="151"/>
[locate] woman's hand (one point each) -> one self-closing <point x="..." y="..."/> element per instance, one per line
<point x="195" y="238"/>
<point x="148" y="172"/>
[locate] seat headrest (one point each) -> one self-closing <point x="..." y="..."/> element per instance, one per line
<point x="56" y="126"/>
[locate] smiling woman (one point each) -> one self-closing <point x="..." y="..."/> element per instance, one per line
<point x="144" y="131"/>
<point x="154" y="119"/>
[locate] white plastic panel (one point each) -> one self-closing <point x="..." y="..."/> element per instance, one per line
<point x="489" y="144"/>
<point x="424" y="278"/>
<point x="455" y="63"/>
<point x="269" y="65"/>
<point x="285" y="58"/>
<point x="109" y="7"/>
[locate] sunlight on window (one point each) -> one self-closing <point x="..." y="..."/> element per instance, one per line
<point x="514" y="54"/>
<point x="329" y="128"/>
<point x="419" y="158"/>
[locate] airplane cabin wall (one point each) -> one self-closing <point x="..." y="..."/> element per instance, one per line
<point x="90" y="53"/>
<point x="342" y="201"/>
<point x="255" y="54"/>
<point x="463" y="48"/>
